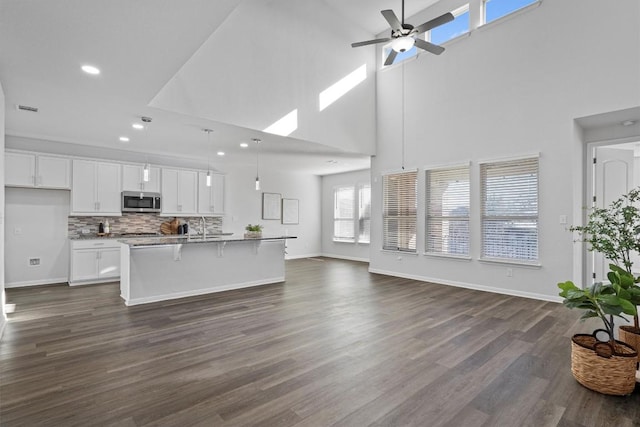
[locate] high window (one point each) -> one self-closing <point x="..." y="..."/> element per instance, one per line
<point x="510" y="210"/>
<point x="453" y="29"/>
<point x="447" y="202"/>
<point x="344" y="214"/>
<point x="495" y="9"/>
<point x="399" y="207"/>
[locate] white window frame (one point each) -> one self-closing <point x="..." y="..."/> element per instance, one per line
<point x="512" y="164"/>
<point x="352" y="219"/>
<point x="456" y="12"/>
<point x="483" y="12"/>
<point x="361" y="215"/>
<point x="401" y="212"/>
<point x="431" y="217"/>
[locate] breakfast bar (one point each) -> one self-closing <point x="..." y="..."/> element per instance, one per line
<point x="158" y="269"/>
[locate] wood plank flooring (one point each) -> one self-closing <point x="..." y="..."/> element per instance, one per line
<point x="334" y="345"/>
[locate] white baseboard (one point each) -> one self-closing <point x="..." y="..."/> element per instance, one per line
<point x="197" y="292"/>
<point x="27" y="283"/>
<point x="3" y="325"/>
<point x="288" y="257"/>
<point x="473" y="286"/>
<point x="348" y="258"/>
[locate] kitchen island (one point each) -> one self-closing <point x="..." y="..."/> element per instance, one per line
<point x="158" y="269"/>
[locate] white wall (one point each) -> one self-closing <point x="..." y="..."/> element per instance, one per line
<point x="509" y="89"/>
<point x="353" y="251"/>
<point x="280" y="63"/>
<point x="2" y="294"/>
<point x="244" y="206"/>
<point x="36" y="227"/>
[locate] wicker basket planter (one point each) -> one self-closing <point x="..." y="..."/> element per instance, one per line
<point x="630" y="337"/>
<point x="599" y="367"/>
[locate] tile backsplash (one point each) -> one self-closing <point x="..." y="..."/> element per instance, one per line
<point x="137" y="223"/>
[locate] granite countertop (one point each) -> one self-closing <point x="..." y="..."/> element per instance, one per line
<point x="117" y="236"/>
<point x="179" y="240"/>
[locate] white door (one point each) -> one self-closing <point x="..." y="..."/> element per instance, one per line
<point x="169" y="191"/>
<point x="108" y="188"/>
<point x="20" y="169"/>
<point x="53" y="172"/>
<point x="109" y="263"/>
<point x="612" y="177"/>
<point x="83" y="190"/>
<point x="188" y="192"/>
<point x="132" y="178"/>
<point x="84" y="264"/>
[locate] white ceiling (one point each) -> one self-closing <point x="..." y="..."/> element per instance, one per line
<point x="139" y="46"/>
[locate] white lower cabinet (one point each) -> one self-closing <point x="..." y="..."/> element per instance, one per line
<point x="94" y="261"/>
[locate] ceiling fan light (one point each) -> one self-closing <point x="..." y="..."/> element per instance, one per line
<point x="402" y="44"/>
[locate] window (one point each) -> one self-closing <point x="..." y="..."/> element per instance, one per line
<point x="344" y="214"/>
<point x="399" y="206"/>
<point x="448" y="211"/>
<point x="453" y="29"/>
<point x="510" y="210"/>
<point x="494" y="9"/>
<point x="364" y="214"/>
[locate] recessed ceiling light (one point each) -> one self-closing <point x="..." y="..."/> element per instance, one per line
<point x="137" y="126"/>
<point x="220" y="153"/>
<point x="124" y="139"/>
<point x="90" y="69"/>
<point x="629" y="122"/>
<point x="244" y="145"/>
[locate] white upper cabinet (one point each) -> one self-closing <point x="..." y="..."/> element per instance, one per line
<point x="179" y="192"/>
<point x="37" y="170"/>
<point x="96" y="188"/>
<point x="211" y="199"/>
<point x="133" y="179"/>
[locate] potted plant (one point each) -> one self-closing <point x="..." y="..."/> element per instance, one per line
<point x="253" y="231"/>
<point x="604" y="365"/>
<point x="614" y="231"/>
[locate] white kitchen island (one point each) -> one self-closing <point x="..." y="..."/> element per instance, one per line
<point x="158" y="269"/>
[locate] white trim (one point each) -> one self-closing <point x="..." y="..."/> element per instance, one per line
<point x="94" y="281"/>
<point x="506" y="17"/>
<point x="441" y="166"/>
<point x="472" y="286"/>
<point x="535" y="155"/>
<point x="391" y="251"/>
<point x="157" y="298"/>
<point x="348" y="258"/>
<point x="533" y="264"/>
<point x="287" y="257"/>
<point x="4" y="325"/>
<point x="397" y="171"/>
<point x="28" y="283"/>
<point x="448" y="256"/>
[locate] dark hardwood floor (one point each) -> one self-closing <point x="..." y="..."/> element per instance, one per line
<point x="334" y="345"/>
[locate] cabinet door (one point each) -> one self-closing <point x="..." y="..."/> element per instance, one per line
<point x="83" y="189"/>
<point x="108" y="188"/>
<point x="188" y="192"/>
<point x="169" y="191"/>
<point x="153" y="185"/>
<point x="132" y="177"/>
<point x="109" y="262"/>
<point x="20" y="169"/>
<point x="84" y="264"/>
<point x="210" y="199"/>
<point x="53" y="172"/>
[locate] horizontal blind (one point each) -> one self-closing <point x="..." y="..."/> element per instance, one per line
<point x="364" y="214"/>
<point x="344" y="214"/>
<point x="399" y="198"/>
<point x="510" y="209"/>
<point x="447" y="211"/>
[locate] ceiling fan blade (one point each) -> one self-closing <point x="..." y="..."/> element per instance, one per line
<point x="392" y="19"/>
<point x="358" y="44"/>
<point x="430" y="47"/>
<point x="436" y="22"/>
<point x="391" y="57"/>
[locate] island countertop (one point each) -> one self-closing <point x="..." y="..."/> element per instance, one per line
<point x="180" y="240"/>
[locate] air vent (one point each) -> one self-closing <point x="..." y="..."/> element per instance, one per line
<point x="27" y="108"/>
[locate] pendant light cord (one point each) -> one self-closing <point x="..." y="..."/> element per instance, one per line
<point x="402" y="111"/>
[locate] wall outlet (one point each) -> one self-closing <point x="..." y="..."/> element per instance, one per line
<point x="34" y="261"/>
<point x="85" y="231"/>
<point x="509" y="272"/>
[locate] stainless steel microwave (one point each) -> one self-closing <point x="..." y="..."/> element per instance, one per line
<point x="135" y="201"/>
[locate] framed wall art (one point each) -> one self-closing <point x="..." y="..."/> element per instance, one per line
<point x="271" y="205"/>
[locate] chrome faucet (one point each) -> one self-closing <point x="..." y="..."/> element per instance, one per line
<point x="204" y="227"/>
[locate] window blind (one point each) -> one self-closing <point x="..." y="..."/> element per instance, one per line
<point x="364" y="214"/>
<point x="399" y="200"/>
<point x="447" y="202"/>
<point x="510" y="209"/>
<point x="344" y="214"/>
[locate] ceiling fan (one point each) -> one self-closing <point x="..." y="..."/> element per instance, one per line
<point x="404" y="35"/>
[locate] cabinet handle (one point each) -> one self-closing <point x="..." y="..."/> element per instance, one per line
<point x="99" y="244"/>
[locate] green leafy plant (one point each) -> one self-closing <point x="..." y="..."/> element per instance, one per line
<point x="254" y="228"/>
<point x="614" y="231"/>
<point x="604" y="301"/>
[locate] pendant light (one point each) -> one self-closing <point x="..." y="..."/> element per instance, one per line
<point x="208" y="181"/>
<point x="257" y="141"/>
<point x="145" y="172"/>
